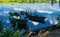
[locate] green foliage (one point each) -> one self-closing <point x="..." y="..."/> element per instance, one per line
<point x="7" y="32"/>
<point x="16" y="34"/>
<point x="27" y="1"/>
<point x="58" y="20"/>
<point x="1" y="27"/>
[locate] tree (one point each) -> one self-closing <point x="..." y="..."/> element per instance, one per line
<point x="59" y="2"/>
<point x="52" y="2"/>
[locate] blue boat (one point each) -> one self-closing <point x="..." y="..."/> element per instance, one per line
<point x="32" y="21"/>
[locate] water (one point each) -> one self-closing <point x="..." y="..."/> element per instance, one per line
<point x="49" y="11"/>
